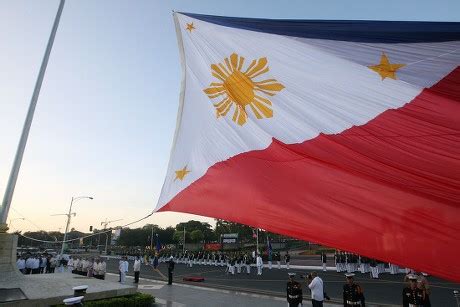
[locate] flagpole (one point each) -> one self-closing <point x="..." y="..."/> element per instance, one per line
<point x="8" y="196"/>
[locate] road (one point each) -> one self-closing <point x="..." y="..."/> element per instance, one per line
<point x="386" y="290"/>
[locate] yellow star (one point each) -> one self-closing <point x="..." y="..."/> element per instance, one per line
<point x="180" y="174"/>
<point x="385" y="69"/>
<point x="190" y="27"/>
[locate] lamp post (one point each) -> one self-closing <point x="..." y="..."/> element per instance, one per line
<point x="105" y="223"/>
<point x="11" y="220"/>
<point x="74" y="199"/>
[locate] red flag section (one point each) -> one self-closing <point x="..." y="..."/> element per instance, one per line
<point x="389" y="189"/>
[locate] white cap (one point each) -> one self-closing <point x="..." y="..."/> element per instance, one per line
<point x="79" y="288"/>
<point x="73" y="300"/>
<point x="349" y="275"/>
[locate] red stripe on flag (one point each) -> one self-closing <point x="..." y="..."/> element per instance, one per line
<point x="389" y="189"/>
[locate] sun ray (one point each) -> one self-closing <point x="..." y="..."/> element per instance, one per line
<point x="242" y="116"/>
<point x="236" y="113"/>
<point x="250" y="66"/>
<point x="224" y="107"/>
<point x="273" y="86"/>
<point x="265" y="81"/>
<point x="240" y="64"/>
<point x="261" y="63"/>
<point x="266" y="111"/>
<point x="260" y="72"/>
<point x="229" y="65"/>
<point x="222" y="66"/>
<point x="218" y="73"/>
<point x="214" y="90"/>
<point x="222" y="102"/>
<point x="265" y="92"/>
<point x="262" y="99"/>
<point x="255" y="111"/>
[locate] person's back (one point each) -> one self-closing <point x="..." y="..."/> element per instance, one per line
<point x="317" y="290"/>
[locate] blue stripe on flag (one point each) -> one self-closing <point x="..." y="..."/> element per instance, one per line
<point x="345" y="30"/>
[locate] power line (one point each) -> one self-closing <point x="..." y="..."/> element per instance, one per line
<point x="87" y="236"/>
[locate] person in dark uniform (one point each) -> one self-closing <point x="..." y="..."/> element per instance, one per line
<point x="353" y="295"/>
<point x="324" y="261"/>
<point x="413" y="296"/>
<point x="293" y="292"/>
<point x="287" y="259"/>
<point x="170" y="270"/>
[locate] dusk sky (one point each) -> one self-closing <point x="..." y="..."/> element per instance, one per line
<point x="106" y="115"/>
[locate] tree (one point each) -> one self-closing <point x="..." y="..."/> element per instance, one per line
<point x="192" y="225"/>
<point x="197" y="236"/>
<point x="178" y="236"/>
<point x="244" y="232"/>
<point x="134" y="237"/>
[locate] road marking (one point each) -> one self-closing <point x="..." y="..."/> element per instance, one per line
<point x="150" y="287"/>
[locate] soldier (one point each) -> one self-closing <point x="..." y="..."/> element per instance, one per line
<point x="324" y="261"/>
<point x="353" y="294"/>
<point x="170" y="270"/>
<point x="423" y="284"/>
<point x="412" y="295"/>
<point x="293" y="292"/>
<point x="337" y="261"/>
<point x="278" y="260"/>
<point x="374" y="269"/>
<point x="287" y="259"/>
<point x="247" y="263"/>
<point x="259" y="264"/>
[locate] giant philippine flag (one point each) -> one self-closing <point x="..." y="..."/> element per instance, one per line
<point x="345" y="133"/>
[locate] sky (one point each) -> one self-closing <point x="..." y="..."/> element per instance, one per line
<point x="106" y="114"/>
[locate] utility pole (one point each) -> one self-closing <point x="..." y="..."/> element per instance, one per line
<point x="69" y="215"/>
<point x="105" y="223"/>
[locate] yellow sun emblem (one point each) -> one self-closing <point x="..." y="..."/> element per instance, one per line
<point x="239" y="89"/>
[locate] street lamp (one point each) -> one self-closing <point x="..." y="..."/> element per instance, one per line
<point x="105" y="223"/>
<point x="74" y="199"/>
<point x="11" y="220"/>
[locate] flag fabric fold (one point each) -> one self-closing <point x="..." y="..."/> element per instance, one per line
<point x="344" y="133"/>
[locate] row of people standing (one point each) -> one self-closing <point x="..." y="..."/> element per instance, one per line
<point x="351" y="263"/>
<point x="37" y="264"/>
<point x="90" y="267"/>
<point x="234" y="261"/>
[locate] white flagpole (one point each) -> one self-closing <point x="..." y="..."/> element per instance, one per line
<point x="8" y="196"/>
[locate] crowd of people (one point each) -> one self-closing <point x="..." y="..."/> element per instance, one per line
<point x="47" y="263"/>
<point x="415" y="293"/>
<point x="38" y="263"/>
<point x="90" y="267"/>
<point x="234" y="262"/>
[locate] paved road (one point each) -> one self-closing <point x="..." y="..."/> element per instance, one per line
<point x="186" y="295"/>
<point x="386" y="290"/>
